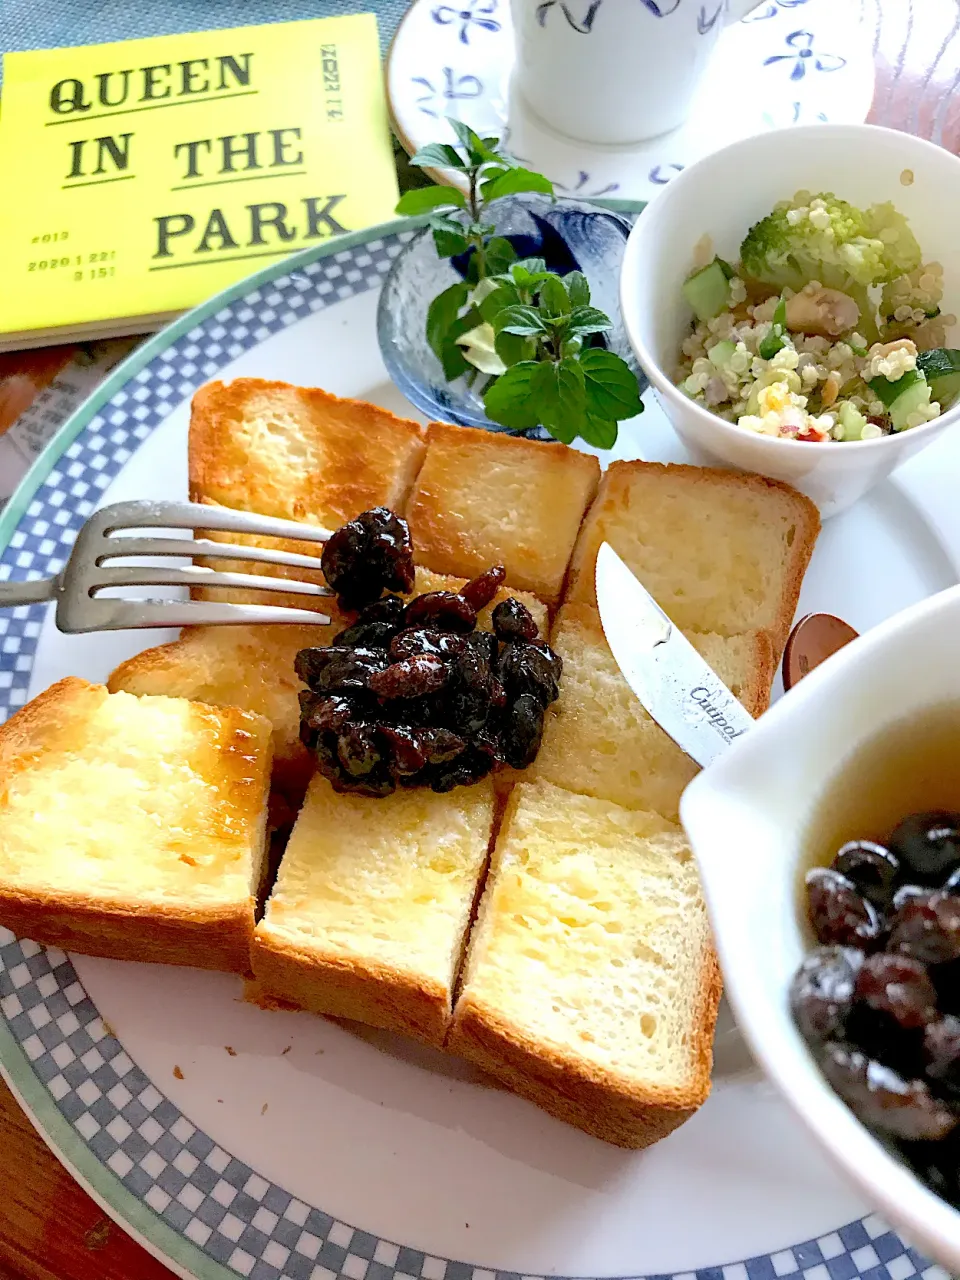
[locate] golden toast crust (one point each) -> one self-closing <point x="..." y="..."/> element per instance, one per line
<point x="298" y="452"/>
<point x="602" y="1102"/>
<point x="612" y="505"/>
<point x="483" y="498"/>
<point x="361" y="989"/>
<point x="203" y="932"/>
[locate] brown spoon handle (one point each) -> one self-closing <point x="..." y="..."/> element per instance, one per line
<point x="815" y="638"/>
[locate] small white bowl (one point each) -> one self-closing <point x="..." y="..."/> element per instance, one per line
<point x="723" y="195"/>
<point x="745" y="816"/>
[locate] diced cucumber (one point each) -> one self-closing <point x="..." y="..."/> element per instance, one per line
<point x="707" y="291"/>
<point x="902" y="398"/>
<point x="887" y="391"/>
<point x="946" y="390"/>
<point x="851" y="420"/>
<point x="719" y="354"/>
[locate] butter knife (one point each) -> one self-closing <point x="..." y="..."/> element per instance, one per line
<point x="679" y="690"/>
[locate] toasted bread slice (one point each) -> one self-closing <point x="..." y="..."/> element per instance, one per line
<point x="591" y="986"/>
<point x="252" y="667"/>
<point x="719" y="551"/>
<point x="600" y="741"/>
<point x="370" y="910"/>
<point x="298" y="452"/>
<point x="133" y="827"/>
<point x="247" y="667"/>
<point x="483" y="499"/>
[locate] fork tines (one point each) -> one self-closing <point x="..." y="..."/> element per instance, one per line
<point x="104" y="540"/>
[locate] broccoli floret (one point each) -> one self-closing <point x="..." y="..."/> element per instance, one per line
<point x="827" y="239"/>
<point x="917" y="290"/>
<point x="901" y="250"/>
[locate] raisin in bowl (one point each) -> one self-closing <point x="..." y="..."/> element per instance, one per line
<point x="886" y="924"/>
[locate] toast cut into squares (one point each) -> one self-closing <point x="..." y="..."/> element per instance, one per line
<point x="718" y="551"/>
<point x="298" y="452"/>
<point x="483" y="498"/>
<point x="599" y="740"/>
<point x="252" y="667"/>
<point x="133" y="827"/>
<point x="590" y="985"/>
<point x="246" y="667"/>
<point x="371" y="906"/>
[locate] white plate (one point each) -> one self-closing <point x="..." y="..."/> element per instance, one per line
<point x="789" y="62"/>
<point x="234" y="1141"/>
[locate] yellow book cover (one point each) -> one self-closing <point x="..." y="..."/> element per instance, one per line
<point x="139" y="178"/>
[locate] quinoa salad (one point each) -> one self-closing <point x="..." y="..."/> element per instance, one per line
<point x="827" y="329"/>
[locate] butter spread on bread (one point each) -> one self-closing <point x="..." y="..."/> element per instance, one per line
<point x="133" y="827"/>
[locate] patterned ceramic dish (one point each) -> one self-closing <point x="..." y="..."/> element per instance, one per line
<point x="859" y="163"/>
<point x="747" y="829"/>
<point x="569" y="234"/>
<point x="236" y="1142"/>
<point x="788" y="62"/>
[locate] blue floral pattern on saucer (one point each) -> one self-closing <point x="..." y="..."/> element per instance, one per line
<point x="788" y="62"/>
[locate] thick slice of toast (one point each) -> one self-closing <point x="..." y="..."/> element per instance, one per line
<point x="600" y="741"/>
<point x="370" y="910"/>
<point x="591" y="986"/>
<point x="133" y="827"/>
<point x="483" y="498"/>
<point x="252" y="667"/>
<point x="247" y="667"/>
<point x="298" y="452"/>
<point x="719" y="551"/>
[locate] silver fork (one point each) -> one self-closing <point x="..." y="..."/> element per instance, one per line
<point x="105" y="538"/>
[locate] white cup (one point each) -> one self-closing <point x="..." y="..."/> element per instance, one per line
<point x="615" y="71"/>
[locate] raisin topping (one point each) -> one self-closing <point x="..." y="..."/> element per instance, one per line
<point x="410" y="693"/>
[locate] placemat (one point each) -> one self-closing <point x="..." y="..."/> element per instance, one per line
<point x="45" y="24"/>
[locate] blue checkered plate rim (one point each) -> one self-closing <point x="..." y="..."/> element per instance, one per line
<point x="202" y="1211"/>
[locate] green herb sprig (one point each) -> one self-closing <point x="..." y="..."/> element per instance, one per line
<point x="529" y="332"/>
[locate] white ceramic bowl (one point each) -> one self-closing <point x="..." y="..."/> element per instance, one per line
<point x="723" y="195"/>
<point x="745" y="816"/>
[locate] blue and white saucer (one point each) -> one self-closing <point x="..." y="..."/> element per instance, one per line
<point x="788" y="62"/>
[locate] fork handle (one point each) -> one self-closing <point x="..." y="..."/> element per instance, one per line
<point x="33" y="592"/>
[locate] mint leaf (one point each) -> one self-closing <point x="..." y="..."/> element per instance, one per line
<point x="423" y="199"/>
<point x="531" y="266"/>
<point x="452" y="357"/>
<point x="493" y="147"/>
<point x="525" y="321"/>
<point x="477" y="151"/>
<point x="554" y="300"/>
<point x="600" y="432"/>
<point x="448" y="235"/>
<point x="454" y="362"/>
<point x="513" y="182"/>
<point x="611" y="387"/>
<point x="441" y="314"/>
<point x="511" y="348"/>
<point x="584" y="320"/>
<point x="509" y="400"/>
<point x="575" y="283"/>
<point x="558" y="392"/>
<point x="527" y="278"/>
<point x="499" y="254"/>
<point x="505" y="296"/>
<point x="438" y="155"/>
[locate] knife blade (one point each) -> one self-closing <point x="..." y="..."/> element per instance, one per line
<point x="679" y="690"/>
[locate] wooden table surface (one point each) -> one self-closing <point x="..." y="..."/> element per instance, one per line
<point x="49" y="1228"/>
